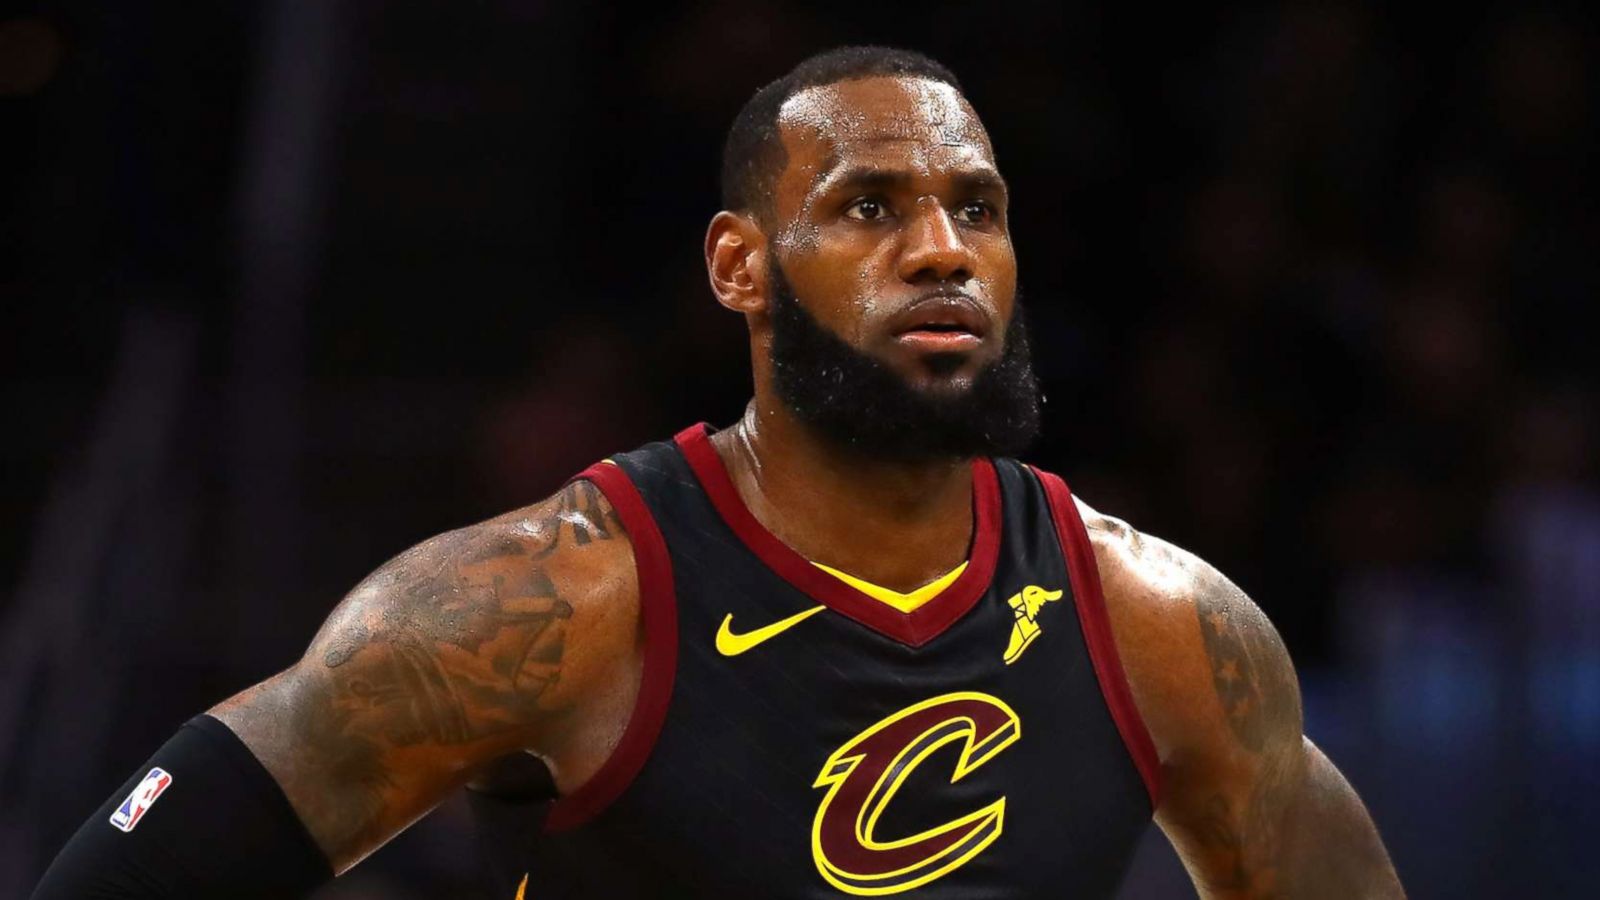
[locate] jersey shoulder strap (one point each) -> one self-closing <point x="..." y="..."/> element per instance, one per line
<point x="1084" y="573"/>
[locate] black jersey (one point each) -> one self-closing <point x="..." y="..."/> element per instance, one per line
<point x="795" y="737"/>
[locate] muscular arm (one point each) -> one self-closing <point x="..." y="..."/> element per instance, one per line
<point x="1253" y="808"/>
<point x="515" y="634"/>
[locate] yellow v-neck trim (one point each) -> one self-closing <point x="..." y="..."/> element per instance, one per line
<point x="904" y="602"/>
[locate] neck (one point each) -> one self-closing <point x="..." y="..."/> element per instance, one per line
<point x="897" y="524"/>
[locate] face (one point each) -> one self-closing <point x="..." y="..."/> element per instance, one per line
<point x="889" y="224"/>
<point x="859" y="404"/>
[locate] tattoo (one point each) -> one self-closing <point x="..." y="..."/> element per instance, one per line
<point x="1245" y="846"/>
<point x="1252" y="681"/>
<point x="332" y="750"/>
<point x="587" y="514"/>
<point x="459" y="639"/>
<point x="1256" y="689"/>
<point x="1221" y="836"/>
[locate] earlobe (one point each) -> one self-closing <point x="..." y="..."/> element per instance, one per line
<point x="736" y="262"/>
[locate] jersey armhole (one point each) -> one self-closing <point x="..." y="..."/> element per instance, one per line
<point x="658" y="613"/>
<point x="1084" y="574"/>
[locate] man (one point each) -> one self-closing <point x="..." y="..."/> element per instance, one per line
<point x="842" y="647"/>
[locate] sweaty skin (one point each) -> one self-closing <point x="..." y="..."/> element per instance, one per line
<point x="521" y="634"/>
<point x="890" y="197"/>
<point x="1253" y="808"/>
<point x="516" y="634"/>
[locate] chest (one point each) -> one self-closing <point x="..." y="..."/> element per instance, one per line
<point x="848" y="761"/>
<point x="812" y="748"/>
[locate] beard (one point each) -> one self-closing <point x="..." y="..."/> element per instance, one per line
<point x="859" y="403"/>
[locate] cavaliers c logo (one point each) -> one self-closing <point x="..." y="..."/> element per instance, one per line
<point x="863" y="776"/>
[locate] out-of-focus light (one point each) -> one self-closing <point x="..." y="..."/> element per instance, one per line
<point x="30" y="54"/>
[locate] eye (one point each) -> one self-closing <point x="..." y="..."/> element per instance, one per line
<point x="867" y="209"/>
<point x="976" y="212"/>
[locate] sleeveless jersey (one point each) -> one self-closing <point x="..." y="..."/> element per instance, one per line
<point x="796" y="738"/>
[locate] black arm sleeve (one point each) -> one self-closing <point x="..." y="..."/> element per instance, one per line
<point x="202" y="819"/>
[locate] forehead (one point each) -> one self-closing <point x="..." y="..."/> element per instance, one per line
<point x="903" y="122"/>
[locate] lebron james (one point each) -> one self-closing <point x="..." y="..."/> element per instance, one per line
<point x="846" y="646"/>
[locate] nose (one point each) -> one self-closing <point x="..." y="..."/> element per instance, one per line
<point x="934" y="250"/>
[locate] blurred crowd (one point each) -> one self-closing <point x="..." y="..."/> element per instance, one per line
<point x="1307" y="283"/>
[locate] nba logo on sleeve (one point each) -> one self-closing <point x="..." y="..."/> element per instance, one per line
<point x="142" y="798"/>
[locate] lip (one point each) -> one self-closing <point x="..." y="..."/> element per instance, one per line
<point x="939" y="341"/>
<point x="947" y="322"/>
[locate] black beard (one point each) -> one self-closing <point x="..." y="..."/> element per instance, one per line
<point x="858" y="403"/>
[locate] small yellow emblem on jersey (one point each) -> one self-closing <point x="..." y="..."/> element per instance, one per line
<point x="1025" y="605"/>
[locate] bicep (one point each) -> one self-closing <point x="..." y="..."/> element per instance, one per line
<point x="470" y="646"/>
<point x="1252" y="807"/>
<point x="1232" y="723"/>
<point x="1262" y="812"/>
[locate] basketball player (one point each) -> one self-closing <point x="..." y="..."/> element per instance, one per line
<point x="845" y="646"/>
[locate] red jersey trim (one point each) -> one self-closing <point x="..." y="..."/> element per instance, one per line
<point x="912" y="629"/>
<point x="1096" y="626"/>
<point x="658" y="611"/>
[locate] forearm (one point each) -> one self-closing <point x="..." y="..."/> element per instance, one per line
<point x="1285" y="826"/>
<point x="1333" y="849"/>
<point x="200" y="819"/>
<point x="359" y="755"/>
<point x="336" y="778"/>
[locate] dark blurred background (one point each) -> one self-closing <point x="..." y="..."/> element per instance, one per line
<point x="289" y="286"/>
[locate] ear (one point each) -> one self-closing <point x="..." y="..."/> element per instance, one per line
<point x="736" y="262"/>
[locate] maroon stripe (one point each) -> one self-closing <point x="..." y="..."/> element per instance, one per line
<point x="913" y="629"/>
<point x="658" y="610"/>
<point x="1096" y="626"/>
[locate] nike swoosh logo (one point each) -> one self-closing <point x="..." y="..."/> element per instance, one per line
<point x="730" y="644"/>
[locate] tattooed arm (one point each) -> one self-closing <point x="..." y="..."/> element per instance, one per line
<point x="515" y="634"/>
<point x="1253" y="808"/>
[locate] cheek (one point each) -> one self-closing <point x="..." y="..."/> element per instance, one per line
<point x="869" y="278"/>
<point x="841" y="282"/>
<point x="998" y="275"/>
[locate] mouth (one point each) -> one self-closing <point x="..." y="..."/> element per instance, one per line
<point x="942" y="323"/>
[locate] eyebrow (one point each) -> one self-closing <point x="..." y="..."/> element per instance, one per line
<point x="868" y="178"/>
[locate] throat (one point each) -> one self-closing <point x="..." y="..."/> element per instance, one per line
<point x="894" y="527"/>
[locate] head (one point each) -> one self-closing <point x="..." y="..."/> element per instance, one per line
<point x="864" y="238"/>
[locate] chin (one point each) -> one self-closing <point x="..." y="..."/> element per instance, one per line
<point x="948" y="366"/>
<point x="943" y="382"/>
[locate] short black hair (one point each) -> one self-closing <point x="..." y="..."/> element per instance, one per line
<point x="753" y="155"/>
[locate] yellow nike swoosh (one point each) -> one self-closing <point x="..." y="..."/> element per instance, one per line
<point x="730" y="644"/>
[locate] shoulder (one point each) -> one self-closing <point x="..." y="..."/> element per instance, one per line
<point x="578" y="525"/>
<point x="577" y="540"/>
<point x="546" y="595"/>
<point x="1205" y="665"/>
<point x="574" y="536"/>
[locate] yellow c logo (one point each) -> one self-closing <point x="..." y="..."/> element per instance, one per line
<point x="863" y="775"/>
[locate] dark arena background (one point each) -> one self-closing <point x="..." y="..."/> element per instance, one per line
<point x="289" y="286"/>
